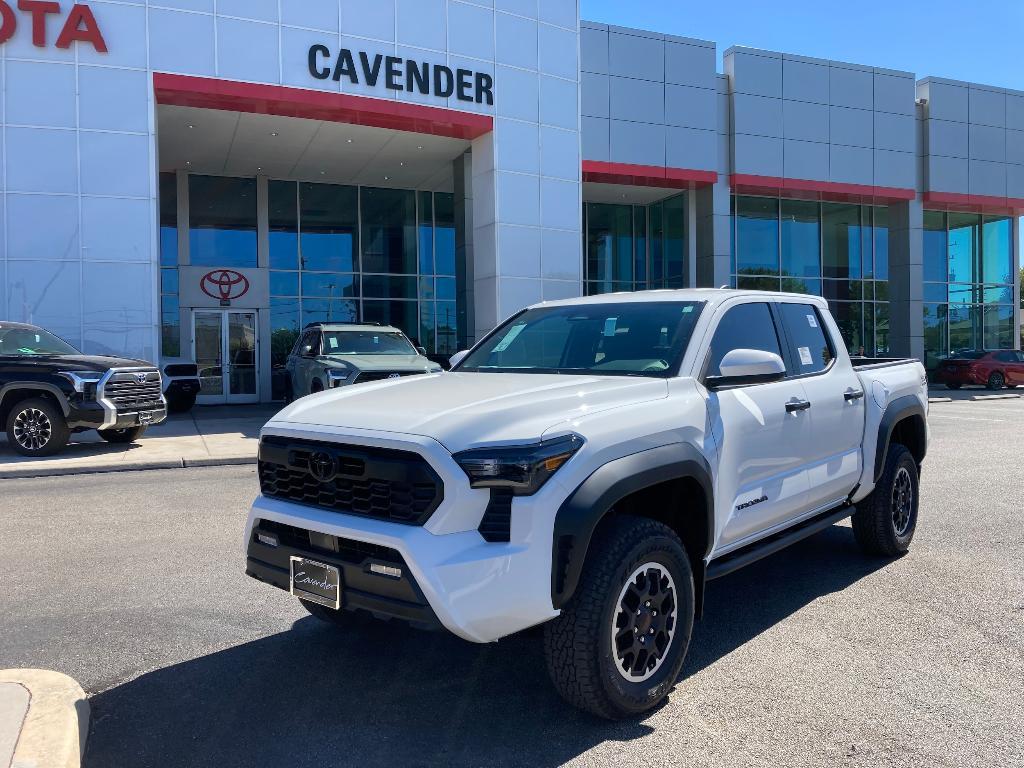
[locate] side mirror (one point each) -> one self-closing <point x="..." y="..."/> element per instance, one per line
<point x="747" y="366"/>
<point x="307" y="351"/>
<point x="457" y="358"/>
<point x="422" y="351"/>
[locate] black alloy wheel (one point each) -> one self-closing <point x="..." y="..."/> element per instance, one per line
<point x="996" y="380"/>
<point x="36" y="427"/>
<point x="644" y="623"/>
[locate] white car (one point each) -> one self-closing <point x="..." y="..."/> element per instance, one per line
<point x="590" y="464"/>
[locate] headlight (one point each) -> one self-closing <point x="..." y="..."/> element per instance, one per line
<point x="522" y="468"/>
<point x="337" y="376"/>
<point x="81" y="380"/>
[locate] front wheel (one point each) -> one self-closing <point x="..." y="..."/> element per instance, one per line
<point x="617" y="649"/>
<point x="885" y="521"/>
<point x="36" y="427"/>
<point x="126" y="435"/>
<point x="996" y="381"/>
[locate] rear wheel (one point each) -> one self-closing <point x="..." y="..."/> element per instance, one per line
<point x="617" y="649"/>
<point x="126" y="435"/>
<point x="36" y="427"/>
<point x="996" y="380"/>
<point x="885" y="521"/>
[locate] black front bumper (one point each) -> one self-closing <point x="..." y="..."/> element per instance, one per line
<point x="89" y="414"/>
<point x="384" y="596"/>
<point x="183" y="387"/>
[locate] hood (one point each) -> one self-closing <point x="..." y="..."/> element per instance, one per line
<point x="465" y="410"/>
<point x="58" y="363"/>
<point x="382" y="362"/>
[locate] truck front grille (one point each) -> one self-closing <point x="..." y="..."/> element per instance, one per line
<point x="134" y="390"/>
<point x="398" y="486"/>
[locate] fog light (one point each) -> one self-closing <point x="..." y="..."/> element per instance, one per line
<point x="386" y="570"/>
<point x="267" y="539"/>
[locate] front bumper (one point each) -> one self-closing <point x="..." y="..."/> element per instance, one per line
<point x="182" y="387"/>
<point x="90" y="414"/>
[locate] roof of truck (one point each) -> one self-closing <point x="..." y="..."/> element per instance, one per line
<point x="709" y="295"/>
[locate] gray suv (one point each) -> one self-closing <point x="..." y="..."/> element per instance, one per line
<point x="329" y="355"/>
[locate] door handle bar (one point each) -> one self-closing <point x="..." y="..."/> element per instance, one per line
<point x="797" y="405"/>
<point x="852" y="395"/>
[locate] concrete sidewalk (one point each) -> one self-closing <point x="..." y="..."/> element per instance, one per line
<point x="207" y="436"/>
<point x="44" y="719"/>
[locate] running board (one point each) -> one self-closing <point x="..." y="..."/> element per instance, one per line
<point x="772" y="544"/>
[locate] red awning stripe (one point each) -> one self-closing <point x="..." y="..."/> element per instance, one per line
<point x="646" y="175"/>
<point x="975" y="203"/>
<point x="824" y="190"/>
<point x="211" y="93"/>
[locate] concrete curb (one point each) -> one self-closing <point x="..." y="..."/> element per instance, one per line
<point x="995" y="397"/>
<point x="57" y="722"/>
<point x="940" y="399"/>
<point x="29" y="471"/>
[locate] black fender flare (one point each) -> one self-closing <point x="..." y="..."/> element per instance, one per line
<point x="579" y="515"/>
<point x="38" y="386"/>
<point x="898" y="410"/>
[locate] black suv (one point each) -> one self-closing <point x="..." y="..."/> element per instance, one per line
<point x="49" y="390"/>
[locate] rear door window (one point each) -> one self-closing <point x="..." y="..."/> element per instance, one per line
<point x="809" y="346"/>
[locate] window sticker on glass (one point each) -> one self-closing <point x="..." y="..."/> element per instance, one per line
<point x="334" y="342"/>
<point x="812" y="321"/>
<point x="805" y="356"/>
<point x="609" y="326"/>
<point x="687" y="309"/>
<point x="511" y="336"/>
<point x="376" y="339"/>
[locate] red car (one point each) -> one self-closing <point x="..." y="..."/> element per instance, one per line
<point x="994" y="369"/>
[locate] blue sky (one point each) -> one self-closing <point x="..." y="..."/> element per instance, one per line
<point x="979" y="41"/>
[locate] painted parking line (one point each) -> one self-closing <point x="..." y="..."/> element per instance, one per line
<point x="962" y="418"/>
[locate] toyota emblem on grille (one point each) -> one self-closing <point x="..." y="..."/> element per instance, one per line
<point x="141" y="377"/>
<point x="395" y="376"/>
<point x="321" y="466"/>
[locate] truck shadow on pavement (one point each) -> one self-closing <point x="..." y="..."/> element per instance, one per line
<point x="392" y="696"/>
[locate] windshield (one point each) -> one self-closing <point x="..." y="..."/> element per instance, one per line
<point x="627" y="339"/>
<point x="366" y="343"/>
<point x="32" y="341"/>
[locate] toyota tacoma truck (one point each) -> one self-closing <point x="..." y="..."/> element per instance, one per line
<point x="590" y="465"/>
<point x="49" y="391"/>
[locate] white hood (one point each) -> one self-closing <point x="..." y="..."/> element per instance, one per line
<point x="465" y="410"/>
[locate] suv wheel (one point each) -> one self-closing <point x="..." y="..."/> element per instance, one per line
<point x="885" y="521"/>
<point x="315" y="387"/>
<point x="996" y="381"/>
<point x="36" y="427"/>
<point x="618" y="647"/>
<point x="126" y="435"/>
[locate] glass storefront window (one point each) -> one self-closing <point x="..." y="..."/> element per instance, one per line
<point x="284" y="283"/>
<point x="996" y="250"/>
<point x="329" y="285"/>
<point x="609" y="243"/>
<point x="757" y="236"/>
<point x="170" y="327"/>
<point x="801" y="233"/>
<point x="936" y="250"/>
<point x="168" y="219"/>
<point x="880" y="216"/>
<point x="444" y="234"/>
<point x="675" y="241"/>
<point x="963" y="247"/>
<point x="329" y="227"/>
<point x="425" y="232"/>
<point x="389" y="231"/>
<point x="998" y="327"/>
<point x="936" y="334"/>
<point x="222" y="221"/>
<point x="284" y="330"/>
<point x="283" y="223"/>
<point x="842" y="239"/>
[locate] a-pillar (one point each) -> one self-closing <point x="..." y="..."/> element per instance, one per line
<point x="906" y="275"/>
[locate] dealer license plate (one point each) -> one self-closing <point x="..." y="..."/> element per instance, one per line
<point x="145" y="417"/>
<point x="316" y="582"/>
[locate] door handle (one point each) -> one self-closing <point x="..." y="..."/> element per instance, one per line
<point x="797" y="405"/>
<point x="853" y="394"/>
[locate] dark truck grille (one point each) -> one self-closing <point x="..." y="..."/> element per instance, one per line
<point x="366" y="376"/>
<point x="399" y="486"/>
<point x="128" y="393"/>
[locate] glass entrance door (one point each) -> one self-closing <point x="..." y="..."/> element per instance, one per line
<point x="224" y="344"/>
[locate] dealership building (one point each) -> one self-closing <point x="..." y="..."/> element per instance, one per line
<point x="201" y="178"/>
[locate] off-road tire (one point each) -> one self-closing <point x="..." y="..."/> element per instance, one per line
<point x="996" y="381"/>
<point x="578" y="644"/>
<point x="39" y="410"/>
<point x="126" y="435"/>
<point x="874" y="523"/>
<point x="315" y="386"/>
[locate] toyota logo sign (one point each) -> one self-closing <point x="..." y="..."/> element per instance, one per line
<point x="322" y="466"/>
<point x="224" y="284"/>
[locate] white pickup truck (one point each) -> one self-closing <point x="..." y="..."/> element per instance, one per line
<point x="591" y="464"/>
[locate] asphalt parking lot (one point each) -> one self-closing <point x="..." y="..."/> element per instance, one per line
<point x="133" y="584"/>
